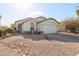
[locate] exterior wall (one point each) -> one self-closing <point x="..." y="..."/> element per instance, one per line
<point x="21" y="21"/>
<point x="16" y="26"/>
<point x="49" y="26"/>
<point x="26" y="26"/>
<point x="17" y="23"/>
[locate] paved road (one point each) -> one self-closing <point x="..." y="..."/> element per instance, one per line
<point x="63" y="37"/>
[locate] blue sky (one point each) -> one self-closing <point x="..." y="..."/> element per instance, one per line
<point x="59" y="11"/>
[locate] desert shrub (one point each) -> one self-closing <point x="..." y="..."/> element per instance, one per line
<point x="8" y="30"/>
<point x="71" y="25"/>
<point x="71" y="28"/>
<point x="40" y="32"/>
<point x="4" y="32"/>
<point x="1" y="32"/>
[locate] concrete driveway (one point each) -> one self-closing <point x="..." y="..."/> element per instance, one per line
<point x="63" y="37"/>
<point x="55" y="36"/>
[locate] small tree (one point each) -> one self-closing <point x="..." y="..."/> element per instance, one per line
<point x="77" y="12"/>
<point x="70" y="24"/>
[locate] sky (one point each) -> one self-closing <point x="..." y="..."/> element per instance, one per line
<point x="12" y="12"/>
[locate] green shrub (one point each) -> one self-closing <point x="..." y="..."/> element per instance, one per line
<point x="4" y="32"/>
<point x="9" y="30"/>
<point x="1" y="32"/>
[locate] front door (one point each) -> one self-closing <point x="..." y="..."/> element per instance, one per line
<point x="32" y="27"/>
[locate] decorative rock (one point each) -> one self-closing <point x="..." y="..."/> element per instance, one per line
<point x="15" y="50"/>
<point x="26" y="52"/>
<point x="18" y="51"/>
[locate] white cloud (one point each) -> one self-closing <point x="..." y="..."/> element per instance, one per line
<point x="35" y="14"/>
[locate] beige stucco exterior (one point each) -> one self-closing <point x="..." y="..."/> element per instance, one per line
<point x="17" y="23"/>
<point x="48" y="26"/>
<point x="27" y="25"/>
<point x="20" y="21"/>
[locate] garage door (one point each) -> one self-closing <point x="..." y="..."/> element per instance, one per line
<point x="49" y="29"/>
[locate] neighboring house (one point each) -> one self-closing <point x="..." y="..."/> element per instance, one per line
<point x="39" y="24"/>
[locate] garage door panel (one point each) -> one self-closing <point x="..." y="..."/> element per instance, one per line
<point x="49" y="29"/>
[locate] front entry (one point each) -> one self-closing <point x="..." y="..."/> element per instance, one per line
<point x="32" y="27"/>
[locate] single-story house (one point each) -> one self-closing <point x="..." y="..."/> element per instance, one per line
<point x="38" y="24"/>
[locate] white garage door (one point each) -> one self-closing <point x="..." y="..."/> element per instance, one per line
<point x="49" y="29"/>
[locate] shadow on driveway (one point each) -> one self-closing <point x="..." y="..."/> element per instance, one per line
<point x="63" y="37"/>
<point x="34" y="37"/>
<point x="50" y="37"/>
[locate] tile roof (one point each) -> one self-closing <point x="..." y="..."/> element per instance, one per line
<point x="36" y="19"/>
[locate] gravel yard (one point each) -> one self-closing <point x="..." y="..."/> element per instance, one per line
<point x="19" y="45"/>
